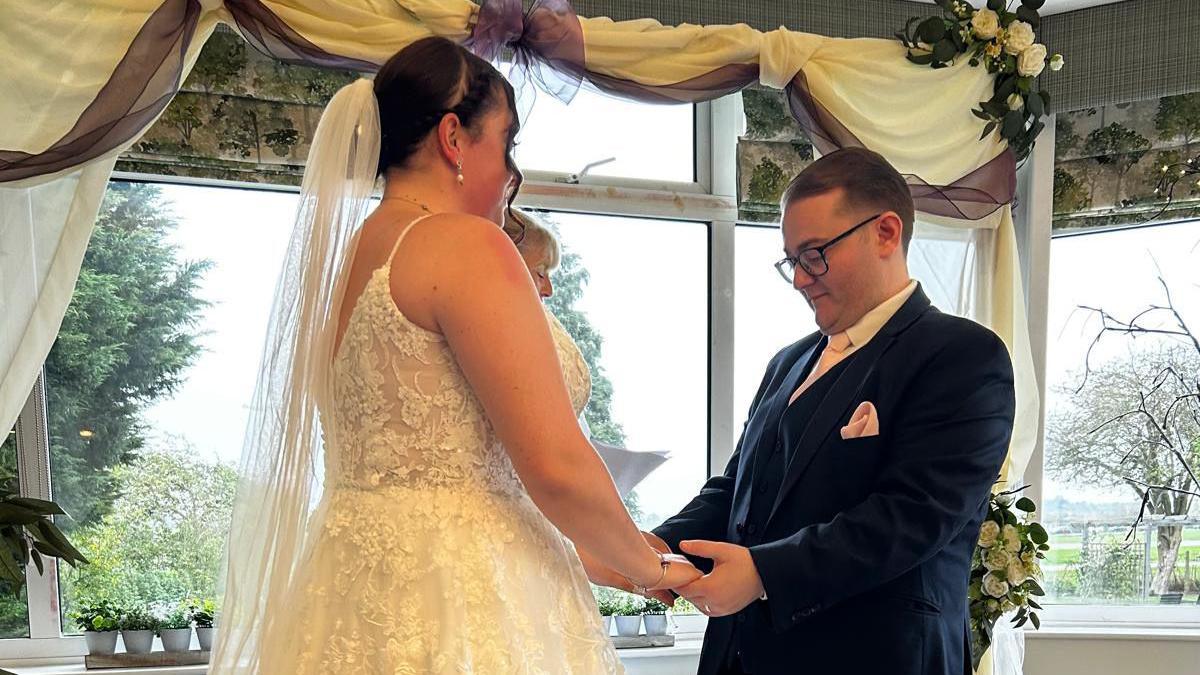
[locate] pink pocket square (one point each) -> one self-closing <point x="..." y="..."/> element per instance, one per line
<point x="863" y="423"/>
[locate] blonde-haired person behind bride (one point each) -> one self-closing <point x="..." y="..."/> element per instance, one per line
<point x="411" y="391"/>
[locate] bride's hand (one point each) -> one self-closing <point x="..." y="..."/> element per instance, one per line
<point x="680" y="572"/>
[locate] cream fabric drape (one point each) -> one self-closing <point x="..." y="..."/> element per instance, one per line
<point x="59" y="60"/>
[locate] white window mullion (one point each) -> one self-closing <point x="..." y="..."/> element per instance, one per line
<point x="33" y="466"/>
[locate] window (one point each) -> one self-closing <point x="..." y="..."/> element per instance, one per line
<point x="148" y="385"/>
<point x="640" y="284"/>
<point x="648" y="142"/>
<point x="1091" y="492"/>
<point x="769" y="313"/>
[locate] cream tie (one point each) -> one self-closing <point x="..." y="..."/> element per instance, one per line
<point x="834" y="351"/>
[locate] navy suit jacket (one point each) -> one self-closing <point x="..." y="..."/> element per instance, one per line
<point x="864" y="547"/>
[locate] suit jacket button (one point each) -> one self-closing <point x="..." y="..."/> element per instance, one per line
<point x="762" y="489"/>
<point x="741" y="618"/>
<point x="753" y="528"/>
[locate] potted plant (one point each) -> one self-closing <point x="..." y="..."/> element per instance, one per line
<point x="138" y="626"/>
<point x="203" y="615"/>
<point x="176" y="631"/>
<point x="608" y="607"/>
<point x="29" y="533"/>
<point x="629" y="617"/>
<point x="654" y="614"/>
<point x="99" y="623"/>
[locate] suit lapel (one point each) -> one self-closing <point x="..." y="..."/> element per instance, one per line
<point x="844" y="392"/>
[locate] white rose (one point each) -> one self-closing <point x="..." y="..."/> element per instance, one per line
<point x="1012" y="538"/>
<point x="1019" y="37"/>
<point x="994" y="586"/>
<point x="1016" y="573"/>
<point x="1015" y="102"/>
<point x="996" y="559"/>
<point x="986" y="24"/>
<point x="1027" y="557"/>
<point x="1031" y="61"/>
<point x="988" y="532"/>
<point x="1056" y="62"/>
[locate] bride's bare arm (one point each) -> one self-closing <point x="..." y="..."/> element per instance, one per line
<point x="485" y="304"/>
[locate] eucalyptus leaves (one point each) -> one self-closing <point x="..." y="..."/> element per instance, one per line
<point x="1000" y="40"/>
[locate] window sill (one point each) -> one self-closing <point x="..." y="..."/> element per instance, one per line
<point x="75" y="667"/>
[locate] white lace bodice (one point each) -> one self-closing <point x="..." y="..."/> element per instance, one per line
<point x="404" y="414"/>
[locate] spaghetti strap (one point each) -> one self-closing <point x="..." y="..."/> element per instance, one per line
<point x="396" y="246"/>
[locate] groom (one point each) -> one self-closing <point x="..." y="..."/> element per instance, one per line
<point x="839" y="539"/>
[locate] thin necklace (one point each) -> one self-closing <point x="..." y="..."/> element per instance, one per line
<point x="414" y="202"/>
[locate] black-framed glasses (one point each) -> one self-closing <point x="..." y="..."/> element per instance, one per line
<point x="812" y="260"/>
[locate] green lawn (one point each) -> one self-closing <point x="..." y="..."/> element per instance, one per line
<point x="1064" y="549"/>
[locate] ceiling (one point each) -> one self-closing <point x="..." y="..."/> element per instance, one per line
<point x="1056" y="6"/>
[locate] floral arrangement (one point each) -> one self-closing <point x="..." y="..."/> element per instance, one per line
<point x="1005" y="568"/>
<point x="1002" y="41"/>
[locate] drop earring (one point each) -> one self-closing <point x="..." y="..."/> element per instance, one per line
<point x="459" y="177"/>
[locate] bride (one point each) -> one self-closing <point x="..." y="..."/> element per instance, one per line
<point x="416" y="492"/>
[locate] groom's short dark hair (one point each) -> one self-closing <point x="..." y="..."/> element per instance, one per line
<point x="865" y="177"/>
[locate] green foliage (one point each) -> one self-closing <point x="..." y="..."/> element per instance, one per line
<point x="220" y="63"/>
<point x="29" y="534"/>
<point x="1109" y="571"/>
<point x="139" y="618"/>
<point x="101" y="616"/>
<point x="203" y="612"/>
<point x="1070" y="194"/>
<point x="766" y="114"/>
<point x="653" y="606"/>
<point x="176" y="619"/>
<point x="767" y="182"/>
<point x="164" y="537"/>
<point x="1117" y="147"/>
<point x="1066" y="140"/>
<point x="127" y="337"/>
<point x="1179" y="117"/>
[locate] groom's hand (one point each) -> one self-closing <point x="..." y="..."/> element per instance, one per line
<point x="731" y="586"/>
<point x="601" y="575"/>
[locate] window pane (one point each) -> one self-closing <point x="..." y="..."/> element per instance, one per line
<point x="149" y="381"/>
<point x="1092" y="469"/>
<point x="652" y="142"/>
<point x="650" y="365"/>
<point x="14" y="610"/>
<point x="768" y="316"/>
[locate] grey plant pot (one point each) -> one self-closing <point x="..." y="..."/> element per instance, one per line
<point x="656" y="624"/>
<point x="628" y="626"/>
<point x="101" y="643"/>
<point x="138" y="641"/>
<point x="176" y="639"/>
<point x="607" y="625"/>
<point x="205" y="637"/>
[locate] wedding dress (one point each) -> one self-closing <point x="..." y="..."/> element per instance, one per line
<point x="427" y="554"/>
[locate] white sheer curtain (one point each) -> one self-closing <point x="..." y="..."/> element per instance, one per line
<point x="44" y="231"/>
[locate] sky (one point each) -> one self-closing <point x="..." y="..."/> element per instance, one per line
<point x="648" y="294"/>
